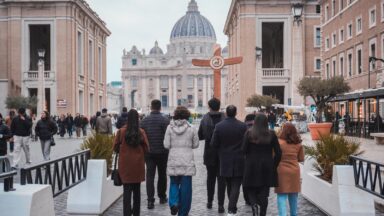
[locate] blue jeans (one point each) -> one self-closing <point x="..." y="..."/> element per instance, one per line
<point x="282" y="200"/>
<point x="180" y="193"/>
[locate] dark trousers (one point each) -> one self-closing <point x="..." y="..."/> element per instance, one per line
<point x="233" y="184"/>
<point x="11" y="145"/>
<point x="3" y="152"/>
<point x="158" y="161"/>
<point x="259" y="196"/>
<point x="212" y="175"/>
<point x="132" y="189"/>
<point x="69" y="129"/>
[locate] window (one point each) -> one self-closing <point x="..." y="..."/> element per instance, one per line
<point x="39" y="38"/>
<point x="317" y="64"/>
<point x="134" y="62"/>
<point x="341" y="36"/>
<point x="317" y="37"/>
<point x="358" y="25"/>
<point x="349" y="31"/>
<point x="382" y="11"/>
<point x="333" y="7"/>
<point x="90" y="60"/>
<point x="341" y="5"/>
<point x="372" y="17"/>
<point x="372" y="52"/>
<point x="190" y="81"/>
<point x="190" y="101"/>
<point x="200" y="83"/>
<point x="178" y="82"/>
<point x="100" y="65"/>
<point x="164" y="101"/>
<point x="334" y="68"/>
<point x="350" y="64"/>
<point x="327" y="70"/>
<point x="81" y="102"/>
<point x="359" y="61"/>
<point x="318" y="9"/>
<point x="341" y="65"/>
<point x="326" y="13"/>
<point x="80" y="53"/>
<point x="100" y="102"/>
<point x="334" y="39"/>
<point x="164" y="82"/>
<point x="91" y="110"/>
<point x="327" y="43"/>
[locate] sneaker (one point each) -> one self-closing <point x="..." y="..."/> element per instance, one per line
<point x="255" y="210"/>
<point x="151" y="205"/>
<point x="174" y="210"/>
<point x="221" y="209"/>
<point x="163" y="200"/>
<point x="209" y="205"/>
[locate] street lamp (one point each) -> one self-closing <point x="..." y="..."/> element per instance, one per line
<point x="297" y="10"/>
<point x="41" y="98"/>
<point x="258" y="52"/>
<point x="372" y="60"/>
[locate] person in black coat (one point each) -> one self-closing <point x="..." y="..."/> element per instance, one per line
<point x="227" y="138"/>
<point x="62" y="123"/>
<point x="70" y="122"/>
<point x="211" y="156"/>
<point x="262" y="157"/>
<point x="155" y="126"/>
<point x="122" y="119"/>
<point x="45" y="129"/>
<point x="5" y="134"/>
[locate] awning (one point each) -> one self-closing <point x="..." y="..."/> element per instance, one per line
<point x="369" y="93"/>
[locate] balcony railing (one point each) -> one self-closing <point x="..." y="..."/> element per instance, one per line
<point x="275" y="73"/>
<point x="34" y="75"/>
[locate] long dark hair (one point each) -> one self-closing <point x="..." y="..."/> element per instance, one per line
<point x="259" y="132"/>
<point x="132" y="135"/>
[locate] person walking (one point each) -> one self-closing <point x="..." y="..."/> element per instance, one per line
<point x="8" y="122"/>
<point x="211" y="156"/>
<point x="262" y="156"/>
<point x="227" y="138"/>
<point x="181" y="138"/>
<point x="271" y="120"/>
<point x="289" y="170"/>
<point x="70" y="122"/>
<point x="45" y="130"/>
<point x="78" y="125"/>
<point x="123" y="118"/>
<point x="62" y="124"/>
<point x="21" y="130"/>
<point x="84" y="125"/>
<point x="249" y="120"/>
<point x="104" y="123"/>
<point x="155" y="125"/>
<point x="5" y="134"/>
<point x="131" y="142"/>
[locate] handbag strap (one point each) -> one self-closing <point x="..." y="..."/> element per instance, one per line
<point x="117" y="148"/>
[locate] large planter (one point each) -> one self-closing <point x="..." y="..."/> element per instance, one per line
<point x="319" y="129"/>
<point x="339" y="198"/>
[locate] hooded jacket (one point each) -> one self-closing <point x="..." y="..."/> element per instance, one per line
<point x="122" y="120"/>
<point x="104" y="124"/>
<point x="181" y="138"/>
<point x="45" y="129"/>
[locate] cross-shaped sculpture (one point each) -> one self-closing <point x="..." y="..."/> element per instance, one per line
<point x="217" y="62"/>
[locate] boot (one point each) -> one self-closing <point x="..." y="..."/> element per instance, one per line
<point x="255" y="210"/>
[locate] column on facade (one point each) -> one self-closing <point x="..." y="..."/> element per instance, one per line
<point x="143" y="91"/>
<point x="205" y="102"/>
<point x="174" y="78"/>
<point x="157" y="87"/>
<point x="195" y="97"/>
<point x="297" y="71"/>
<point x="170" y="91"/>
<point x="209" y="91"/>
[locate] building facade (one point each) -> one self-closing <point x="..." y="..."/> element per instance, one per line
<point x="277" y="50"/>
<point x="74" y="39"/>
<point x="115" y="98"/>
<point x="170" y="76"/>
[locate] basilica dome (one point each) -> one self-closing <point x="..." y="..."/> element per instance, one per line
<point x="156" y="50"/>
<point x="193" y="24"/>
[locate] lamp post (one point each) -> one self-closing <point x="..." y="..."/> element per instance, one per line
<point x="297" y="10"/>
<point x="41" y="88"/>
<point x="372" y="60"/>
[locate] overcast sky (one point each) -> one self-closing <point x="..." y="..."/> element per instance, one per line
<point x="142" y="22"/>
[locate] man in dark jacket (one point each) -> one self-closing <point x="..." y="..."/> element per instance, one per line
<point x="155" y="126"/>
<point x="45" y="129"/>
<point x="84" y="124"/>
<point x="78" y="125"/>
<point x="211" y="157"/>
<point x="123" y="118"/>
<point x="5" y="134"/>
<point x="227" y="138"/>
<point x="21" y="130"/>
<point x="70" y="122"/>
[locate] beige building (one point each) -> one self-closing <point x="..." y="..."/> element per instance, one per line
<point x="74" y="38"/>
<point x="277" y="50"/>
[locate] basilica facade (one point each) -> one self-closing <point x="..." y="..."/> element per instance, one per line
<point x="170" y="76"/>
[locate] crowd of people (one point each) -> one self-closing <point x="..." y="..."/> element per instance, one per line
<point x="236" y="154"/>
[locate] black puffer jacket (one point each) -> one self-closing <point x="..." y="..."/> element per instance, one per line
<point x="155" y="126"/>
<point x="5" y="135"/>
<point x="122" y="120"/>
<point x="45" y="129"/>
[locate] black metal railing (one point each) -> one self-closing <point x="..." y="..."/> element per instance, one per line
<point x="6" y="174"/>
<point x="368" y="175"/>
<point x="62" y="173"/>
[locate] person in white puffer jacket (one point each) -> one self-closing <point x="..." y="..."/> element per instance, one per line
<point x="181" y="138"/>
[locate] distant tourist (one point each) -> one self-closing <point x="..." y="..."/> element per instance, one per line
<point x="104" y="123"/>
<point x="45" y="130"/>
<point x="84" y="124"/>
<point x="181" y="138"/>
<point x="122" y="119"/>
<point x="133" y="146"/>
<point x="8" y="122"/>
<point x="21" y="130"/>
<point x="155" y="126"/>
<point x="61" y="123"/>
<point x="93" y="120"/>
<point x="262" y="156"/>
<point x="228" y="138"/>
<point x="211" y="156"/>
<point x="70" y="122"/>
<point x="5" y="134"/>
<point x="78" y="125"/>
<point x="271" y="120"/>
<point x="289" y="170"/>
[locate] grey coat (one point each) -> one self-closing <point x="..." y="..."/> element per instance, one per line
<point x="181" y="138"/>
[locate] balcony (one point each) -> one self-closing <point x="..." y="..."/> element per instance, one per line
<point x="275" y="73"/>
<point x="34" y="75"/>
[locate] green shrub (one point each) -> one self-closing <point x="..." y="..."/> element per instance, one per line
<point x="101" y="147"/>
<point x="332" y="150"/>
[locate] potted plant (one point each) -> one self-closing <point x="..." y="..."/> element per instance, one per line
<point x="321" y="91"/>
<point x="328" y="179"/>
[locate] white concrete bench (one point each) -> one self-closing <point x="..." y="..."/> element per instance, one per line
<point x="379" y="137"/>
